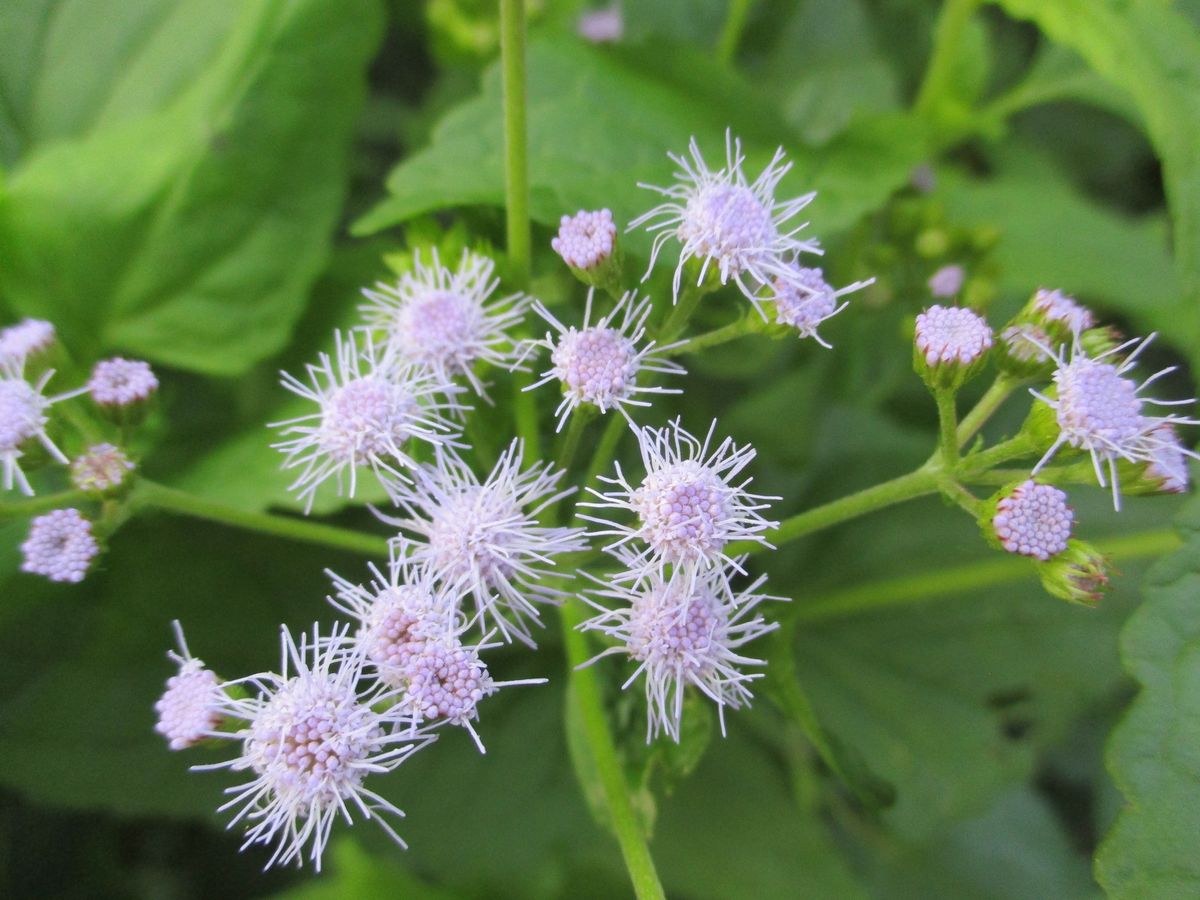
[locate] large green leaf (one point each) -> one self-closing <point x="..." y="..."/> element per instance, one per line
<point x="192" y="234"/>
<point x="1154" y="754"/>
<point x="1153" y="52"/>
<point x="601" y="121"/>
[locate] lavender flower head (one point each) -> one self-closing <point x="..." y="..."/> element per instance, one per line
<point x="369" y="404"/>
<point x="1056" y="307"/>
<point x="1099" y="410"/>
<point x="121" y="382"/>
<point x="102" y="468"/>
<point x="952" y="335"/>
<point x="191" y="707"/>
<point x="483" y="538"/>
<point x="26" y="339"/>
<point x="722" y="219"/>
<point x="586" y="239"/>
<point x="447" y="320"/>
<point x="23" y="418"/>
<point x="688" y="506"/>
<point x="602" y="26"/>
<point x="1033" y="520"/>
<point x="679" y="635"/>
<point x="60" y="546"/>
<point x="806" y="299"/>
<point x="599" y="364"/>
<point x="947" y="281"/>
<point x="309" y="741"/>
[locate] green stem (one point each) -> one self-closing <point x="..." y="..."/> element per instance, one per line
<point x="516" y="163"/>
<point x="905" y="487"/>
<point x="689" y="299"/>
<point x="731" y="31"/>
<point x="150" y="495"/>
<point x="31" y="506"/>
<point x="962" y="579"/>
<point x="947" y="41"/>
<point x="947" y="428"/>
<point x="749" y="323"/>
<point x="577" y="423"/>
<point x="585" y="690"/>
<point x="992" y="399"/>
<point x="1013" y="448"/>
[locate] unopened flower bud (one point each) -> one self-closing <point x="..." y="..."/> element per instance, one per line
<point x="1059" y="315"/>
<point x="587" y="243"/>
<point x="1165" y="472"/>
<point x="1029" y="519"/>
<point x="950" y="345"/>
<point x="103" y="468"/>
<point x="1021" y="351"/>
<point x="947" y="281"/>
<point x="1077" y="575"/>
<point x="122" y="388"/>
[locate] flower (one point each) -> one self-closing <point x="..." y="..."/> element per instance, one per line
<point x="599" y="364"/>
<point x="444" y="320"/>
<point x="369" y="406"/>
<point x="121" y="382"/>
<point x="102" y="468"/>
<point x="688" y="506"/>
<point x="1098" y="410"/>
<point x="483" y="538"/>
<point x="60" y="546"/>
<point x="947" y="281"/>
<point x="805" y="300"/>
<point x="445" y="681"/>
<point x="309" y="741"/>
<point x="586" y="239"/>
<point x="953" y="335"/>
<point x="602" y="26"/>
<point x="1080" y="574"/>
<point x="1033" y="520"/>
<point x="191" y="708"/>
<point x="719" y="217"/>
<point x="1056" y="307"/>
<point x="23" y="417"/>
<point x="681" y="635"/>
<point x="25" y="339"/>
<point x="396" y="614"/>
<point x="1167" y="466"/>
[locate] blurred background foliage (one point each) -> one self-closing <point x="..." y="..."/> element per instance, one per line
<point x="207" y="185"/>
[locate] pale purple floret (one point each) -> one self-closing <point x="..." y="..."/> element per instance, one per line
<point x="599" y="363"/>
<point x="721" y="218"/>
<point x="60" y="546"/>
<point x="688" y="506"/>
<point x="1099" y="410"/>
<point x="952" y="335"/>
<point x="25" y="339"/>
<point x="947" y="281"/>
<point x="1055" y="306"/>
<point x="586" y="239"/>
<point x="121" y="382"/>
<point x="1034" y="520"/>
<point x="102" y="468"/>
<point x="311" y="735"/>
<point x="447" y="320"/>
<point x="681" y="634"/>
<point x="1168" y="460"/>
<point x="23" y="418"/>
<point x="602" y="26"/>
<point x="805" y="300"/>
<point x="190" y="708"/>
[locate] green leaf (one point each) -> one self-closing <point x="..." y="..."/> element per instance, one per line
<point x="191" y="234"/>
<point x="1154" y="754"/>
<point x="1054" y="236"/>
<point x="600" y="122"/>
<point x="1153" y="52"/>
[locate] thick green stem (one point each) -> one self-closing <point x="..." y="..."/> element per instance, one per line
<point x="32" y="506"/>
<point x="1013" y="448"/>
<point x="906" y="487"/>
<point x="149" y="495"/>
<point x="585" y="690"/>
<point x="947" y="42"/>
<point x="516" y="162"/>
<point x="963" y="579"/>
<point x="992" y="399"/>
<point x="689" y="299"/>
<point x="749" y="323"/>
<point x="731" y="32"/>
<point x="947" y="428"/>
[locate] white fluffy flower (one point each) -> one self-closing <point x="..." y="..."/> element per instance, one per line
<point x="483" y="538"/>
<point x="309" y="741"/>
<point x="23" y="418"/>
<point x="679" y="635"/>
<point x="60" y="546"/>
<point x="805" y="300"/>
<point x="1033" y="520"/>
<point x="447" y="320"/>
<point x="599" y="364"/>
<point x="689" y="505"/>
<point x="369" y="405"/>
<point x="721" y="218"/>
<point x="192" y="706"/>
<point x="1099" y="410"/>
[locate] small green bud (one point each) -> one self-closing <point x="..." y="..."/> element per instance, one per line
<point x="1078" y="575"/>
